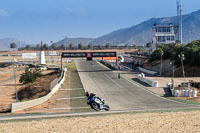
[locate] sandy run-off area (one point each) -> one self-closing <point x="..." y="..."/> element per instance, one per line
<point x="177" y="122"/>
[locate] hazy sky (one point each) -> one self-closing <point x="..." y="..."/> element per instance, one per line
<point x="36" y="20"/>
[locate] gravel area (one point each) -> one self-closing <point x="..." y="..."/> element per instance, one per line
<point x="179" y="122"/>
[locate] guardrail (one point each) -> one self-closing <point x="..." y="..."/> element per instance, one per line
<point x="27" y="104"/>
<point x="142" y="78"/>
<point x="147" y="71"/>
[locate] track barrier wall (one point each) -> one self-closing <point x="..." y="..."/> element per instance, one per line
<point x="31" y="103"/>
<point x="147" y="71"/>
<point x="142" y="78"/>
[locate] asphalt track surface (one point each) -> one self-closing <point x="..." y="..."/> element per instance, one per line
<point x="121" y="94"/>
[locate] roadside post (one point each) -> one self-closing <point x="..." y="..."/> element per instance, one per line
<point x="119" y="75"/>
<point x="14" y="65"/>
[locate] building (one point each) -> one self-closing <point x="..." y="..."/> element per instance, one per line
<point x="164" y="34"/>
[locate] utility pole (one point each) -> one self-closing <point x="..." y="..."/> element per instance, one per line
<point x="179" y="19"/>
<point x="14" y="61"/>
<point x="161" y="63"/>
<point x="182" y="57"/>
<point x="172" y="63"/>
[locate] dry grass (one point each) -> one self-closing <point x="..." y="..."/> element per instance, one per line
<point x="178" y="122"/>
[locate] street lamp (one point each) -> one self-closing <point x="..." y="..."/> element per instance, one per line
<point x="13" y="62"/>
<point x="161" y="54"/>
<point x="172" y="63"/>
<point x="182" y="56"/>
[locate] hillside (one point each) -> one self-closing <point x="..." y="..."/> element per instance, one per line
<point x="142" y="33"/>
<point x="75" y="41"/>
<point x="5" y="43"/>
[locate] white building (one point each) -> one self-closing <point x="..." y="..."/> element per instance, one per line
<point x="163" y="34"/>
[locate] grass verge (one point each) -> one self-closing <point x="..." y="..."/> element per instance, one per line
<point x="75" y="83"/>
<point x="183" y="100"/>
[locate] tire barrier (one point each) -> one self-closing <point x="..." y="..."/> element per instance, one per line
<point x="184" y="93"/>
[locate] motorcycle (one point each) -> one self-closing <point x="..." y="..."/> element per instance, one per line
<point x="96" y="103"/>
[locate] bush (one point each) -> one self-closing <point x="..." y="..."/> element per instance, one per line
<point x="29" y="76"/>
<point x="171" y="51"/>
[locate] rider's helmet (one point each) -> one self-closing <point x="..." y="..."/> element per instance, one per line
<point x="87" y="94"/>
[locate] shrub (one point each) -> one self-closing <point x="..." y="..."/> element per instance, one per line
<point x="29" y="76"/>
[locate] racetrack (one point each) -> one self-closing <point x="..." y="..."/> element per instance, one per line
<point x="120" y="94"/>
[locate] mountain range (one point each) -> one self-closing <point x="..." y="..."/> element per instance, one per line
<point x="142" y="33"/>
<point x="138" y="34"/>
<point x="76" y="41"/>
<point x="5" y="43"/>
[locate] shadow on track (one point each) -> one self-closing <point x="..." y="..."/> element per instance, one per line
<point x="96" y="71"/>
<point x="6" y="111"/>
<point x="140" y="82"/>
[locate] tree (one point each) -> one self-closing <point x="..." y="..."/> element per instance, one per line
<point x="107" y="45"/>
<point x="45" y="47"/>
<point x="99" y="46"/>
<point x="71" y="46"/>
<point x="54" y="46"/>
<point x="62" y="46"/>
<point x="134" y="46"/>
<point x="28" y="47"/>
<point x="38" y="47"/>
<point x="13" y="45"/>
<point x="29" y="76"/>
<point x="90" y="46"/>
<point x="156" y="55"/>
<point x="171" y="51"/>
<point x="126" y="46"/>
<point x="80" y="46"/>
<point x="149" y="45"/>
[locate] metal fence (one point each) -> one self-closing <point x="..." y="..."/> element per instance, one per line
<point x="57" y="80"/>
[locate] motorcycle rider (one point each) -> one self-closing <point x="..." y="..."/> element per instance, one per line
<point x="99" y="102"/>
<point x="89" y="96"/>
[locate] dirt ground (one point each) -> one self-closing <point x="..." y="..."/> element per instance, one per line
<point x="52" y="103"/>
<point x="39" y="88"/>
<point x="7" y="86"/>
<point x="164" y="80"/>
<point x="162" y="122"/>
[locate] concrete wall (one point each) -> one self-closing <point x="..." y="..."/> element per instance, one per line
<point x="142" y="78"/>
<point x="27" y="104"/>
<point x="147" y="71"/>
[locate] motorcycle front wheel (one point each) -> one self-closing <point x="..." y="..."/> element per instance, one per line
<point x="106" y="107"/>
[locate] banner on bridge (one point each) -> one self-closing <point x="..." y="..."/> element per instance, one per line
<point x="88" y="54"/>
